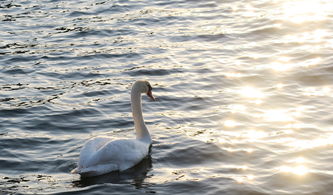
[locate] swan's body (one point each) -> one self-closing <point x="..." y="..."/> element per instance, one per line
<point x="102" y="155"/>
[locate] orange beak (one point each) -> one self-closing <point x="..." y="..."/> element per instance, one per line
<point x="150" y="94"/>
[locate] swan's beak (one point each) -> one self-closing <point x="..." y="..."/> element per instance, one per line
<point x="150" y="94"/>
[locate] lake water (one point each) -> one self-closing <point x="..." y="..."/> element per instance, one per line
<point x="245" y="94"/>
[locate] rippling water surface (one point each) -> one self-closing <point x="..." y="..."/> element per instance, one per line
<point x="244" y="87"/>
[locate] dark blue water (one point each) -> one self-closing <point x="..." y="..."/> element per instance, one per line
<point x="244" y="88"/>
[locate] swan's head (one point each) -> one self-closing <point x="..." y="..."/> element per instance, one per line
<point x="144" y="87"/>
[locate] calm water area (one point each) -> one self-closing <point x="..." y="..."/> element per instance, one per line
<point x="244" y="87"/>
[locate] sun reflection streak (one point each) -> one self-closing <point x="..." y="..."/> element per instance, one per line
<point x="299" y="11"/>
<point x="237" y="108"/>
<point x="278" y="116"/>
<point x="251" y="92"/>
<point x="254" y="134"/>
<point x="316" y="36"/>
<point x="284" y="115"/>
<point x="299" y="160"/>
<point x="318" y="91"/>
<point x="297" y="170"/>
<point x="230" y="123"/>
<point x="310" y="144"/>
<point x="233" y="74"/>
<point x="286" y="64"/>
<point x="295" y="166"/>
<point x="245" y="179"/>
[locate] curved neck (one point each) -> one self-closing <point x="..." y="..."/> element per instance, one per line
<point x="141" y="130"/>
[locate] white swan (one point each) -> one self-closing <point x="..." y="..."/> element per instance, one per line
<point x="102" y="155"/>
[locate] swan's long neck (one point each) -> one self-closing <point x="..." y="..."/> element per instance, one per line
<point x="141" y="130"/>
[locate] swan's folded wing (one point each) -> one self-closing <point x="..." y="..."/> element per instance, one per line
<point x="90" y="148"/>
<point x="123" y="153"/>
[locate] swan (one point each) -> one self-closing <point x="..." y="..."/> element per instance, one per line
<point x="102" y="155"/>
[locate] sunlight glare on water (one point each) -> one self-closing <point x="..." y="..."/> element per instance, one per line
<point x="299" y="11"/>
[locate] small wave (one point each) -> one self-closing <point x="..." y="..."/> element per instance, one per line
<point x="152" y="72"/>
<point x="194" y="153"/>
<point x="202" y="37"/>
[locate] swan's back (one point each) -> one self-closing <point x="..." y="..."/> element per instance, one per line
<point x="100" y="155"/>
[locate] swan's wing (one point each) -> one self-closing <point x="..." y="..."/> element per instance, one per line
<point x="90" y="147"/>
<point x="123" y="153"/>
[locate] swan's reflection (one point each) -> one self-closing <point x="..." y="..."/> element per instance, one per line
<point x="135" y="176"/>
